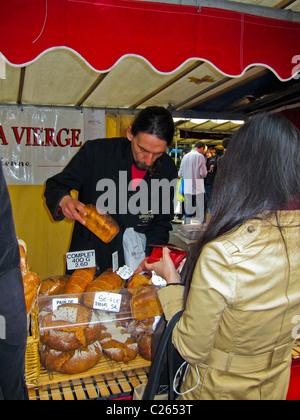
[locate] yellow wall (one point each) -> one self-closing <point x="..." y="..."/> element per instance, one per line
<point x="48" y="241"/>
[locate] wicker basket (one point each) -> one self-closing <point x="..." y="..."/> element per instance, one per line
<point x="32" y="357"/>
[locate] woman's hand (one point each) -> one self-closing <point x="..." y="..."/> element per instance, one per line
<point x="165" y="268"/>
<point x="72" y="208"/>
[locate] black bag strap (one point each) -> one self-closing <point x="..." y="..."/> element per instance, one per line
<point x="156" y="368"/>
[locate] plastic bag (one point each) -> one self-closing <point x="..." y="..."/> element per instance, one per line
<point x="134" y="245"/>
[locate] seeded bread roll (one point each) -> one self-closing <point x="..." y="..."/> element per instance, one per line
<point x="102" y="225"/>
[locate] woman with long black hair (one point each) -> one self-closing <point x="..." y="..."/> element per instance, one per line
<point x="240" y="288"/>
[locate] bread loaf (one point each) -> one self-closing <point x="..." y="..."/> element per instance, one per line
<point x="145" y="304"/>
<point x="117" y="344"/>
<point x="107" y="281"/>
<point x="79" y="280"/>
<point x="70" y="327"/>
<point x="71" y="362"/>
<point x="137" y="281"/>
<point x="144" y="346"/>
<point x="23" y="257"/>
<point x="31" y="282"/>
<point x="102" y="225"/>
<point x="53" y="286"/>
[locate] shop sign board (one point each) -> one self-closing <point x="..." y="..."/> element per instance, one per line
<point x="37" y="143"/>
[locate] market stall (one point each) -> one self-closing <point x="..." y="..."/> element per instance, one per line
<point x="61" y="64"/>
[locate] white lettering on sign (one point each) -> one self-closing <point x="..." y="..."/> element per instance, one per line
<point x="81" y="259"/>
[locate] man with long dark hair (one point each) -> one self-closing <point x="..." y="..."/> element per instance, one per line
<point x="124" y="168"/>
<point x="240" y="287"/>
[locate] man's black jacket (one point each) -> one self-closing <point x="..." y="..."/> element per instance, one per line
<point x="111" y="159"/>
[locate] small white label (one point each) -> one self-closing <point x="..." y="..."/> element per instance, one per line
<point x="115" y="261"/>
<point x="157" y="280"/>
<point x="81" y="259"/>
<point x="57" y="302"/>
<point x="125" y="272"/>
<point x="105" y="301"/>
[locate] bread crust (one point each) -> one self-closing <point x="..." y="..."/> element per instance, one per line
<point x="70" y="327"/>
<point x="71" y="362"/>
<point x="31" y="282"/>
<point x="54" y="285"/>
<point x="102" y="225"/>
<point x="145" y="304"/>
<point x="117" y="344"/>
<point x="80" y="280"/>
<point x="107" y="281"/>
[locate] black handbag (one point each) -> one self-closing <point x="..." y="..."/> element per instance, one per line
<point x="165" y="365"/>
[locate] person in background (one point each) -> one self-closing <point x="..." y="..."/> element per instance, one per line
<point x="193" y="171"/>
<point x="13" y="320"/>
<point x="240" y="286"/>
<point x="212" y="166"/>
<point x="225" y="144"/>
<point x="180" y="214"/>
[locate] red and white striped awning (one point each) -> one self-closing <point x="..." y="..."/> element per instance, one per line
<point x="102" y="32"/>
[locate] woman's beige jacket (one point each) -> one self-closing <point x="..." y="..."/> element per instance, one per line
<point x="242" y="314"/>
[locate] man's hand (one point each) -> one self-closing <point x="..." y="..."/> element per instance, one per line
<point x="72" y="208"/>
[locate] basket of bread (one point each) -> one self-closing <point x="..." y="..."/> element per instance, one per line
<point x="85" y="319"/>
<point x="31" y="282"/>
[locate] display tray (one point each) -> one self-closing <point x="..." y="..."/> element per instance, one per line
<point x="107" y="380"/>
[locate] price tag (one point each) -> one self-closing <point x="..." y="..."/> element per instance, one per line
<point x="125" y="272"/>
<point x="105" y="301"/>
<point x="57" y="302"/>
<point x="81" y="259"/>
<point x="115" y="261"/>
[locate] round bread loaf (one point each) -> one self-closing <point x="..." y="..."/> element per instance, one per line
<point x="71" y="362"/>
<point x="117" y="344"/>
<point x="70" y="327"/>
